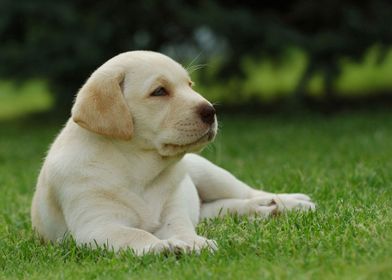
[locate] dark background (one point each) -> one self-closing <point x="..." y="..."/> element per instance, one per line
<point x="251" y="53"/>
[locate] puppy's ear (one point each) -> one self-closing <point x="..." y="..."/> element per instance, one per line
<point x="100" y="106"/>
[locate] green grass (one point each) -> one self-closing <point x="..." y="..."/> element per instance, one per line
<point x="344" y="162"/>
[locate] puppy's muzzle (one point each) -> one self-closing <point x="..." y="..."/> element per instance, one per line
<point x="206" y="113"/>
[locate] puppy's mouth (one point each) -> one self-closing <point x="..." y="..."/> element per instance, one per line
<point x="205" y="138"/>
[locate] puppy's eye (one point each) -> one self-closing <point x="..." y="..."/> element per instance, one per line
<point x="160" y="91"/>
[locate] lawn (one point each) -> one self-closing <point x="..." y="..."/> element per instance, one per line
<point x="343" y="161"/>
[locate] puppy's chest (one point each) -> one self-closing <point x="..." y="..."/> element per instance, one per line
<point x="154" y="193"/>
<point x="151" y="215"/>
<point x="156" y="198"/>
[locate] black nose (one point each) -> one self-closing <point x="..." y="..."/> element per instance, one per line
<point x="207" y="113"/>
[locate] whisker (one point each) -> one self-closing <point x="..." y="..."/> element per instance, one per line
<point x="196" y="67"/>
<point x="193" y="60"/>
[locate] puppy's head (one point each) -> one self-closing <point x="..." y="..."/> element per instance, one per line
<point x="147" y="98"/>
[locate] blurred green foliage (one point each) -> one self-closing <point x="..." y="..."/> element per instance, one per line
<point x="266" y="50"/>
<point x="267" y="81"/>
<point x="264" y="81"/>
<point x="369" y="76"/>
<point x="19" y="99"/>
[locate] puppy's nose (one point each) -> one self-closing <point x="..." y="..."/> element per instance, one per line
<point x="207" y="113"/>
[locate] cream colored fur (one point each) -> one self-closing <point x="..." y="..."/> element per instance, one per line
<point x="122" y="172"/>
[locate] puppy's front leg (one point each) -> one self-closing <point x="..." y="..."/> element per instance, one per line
<point x="104" y="219"/>
<point x="180" y="216"/>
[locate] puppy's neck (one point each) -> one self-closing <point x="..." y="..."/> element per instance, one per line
<point x="147" y="164"/>
<point x="141" y="165"/>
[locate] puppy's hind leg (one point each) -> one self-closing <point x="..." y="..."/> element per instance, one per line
<point x="221" y="192"/>
<point x="262" y="207"/>
<point x="213" y="182"/>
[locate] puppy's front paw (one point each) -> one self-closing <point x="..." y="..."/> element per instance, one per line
<point x="198" y="243"/>
<point x="168" y="245"/>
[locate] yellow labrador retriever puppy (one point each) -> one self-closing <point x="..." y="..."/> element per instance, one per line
<point x="122" y="172"/>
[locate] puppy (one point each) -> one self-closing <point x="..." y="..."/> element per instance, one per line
<point x="122" y="172"/>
